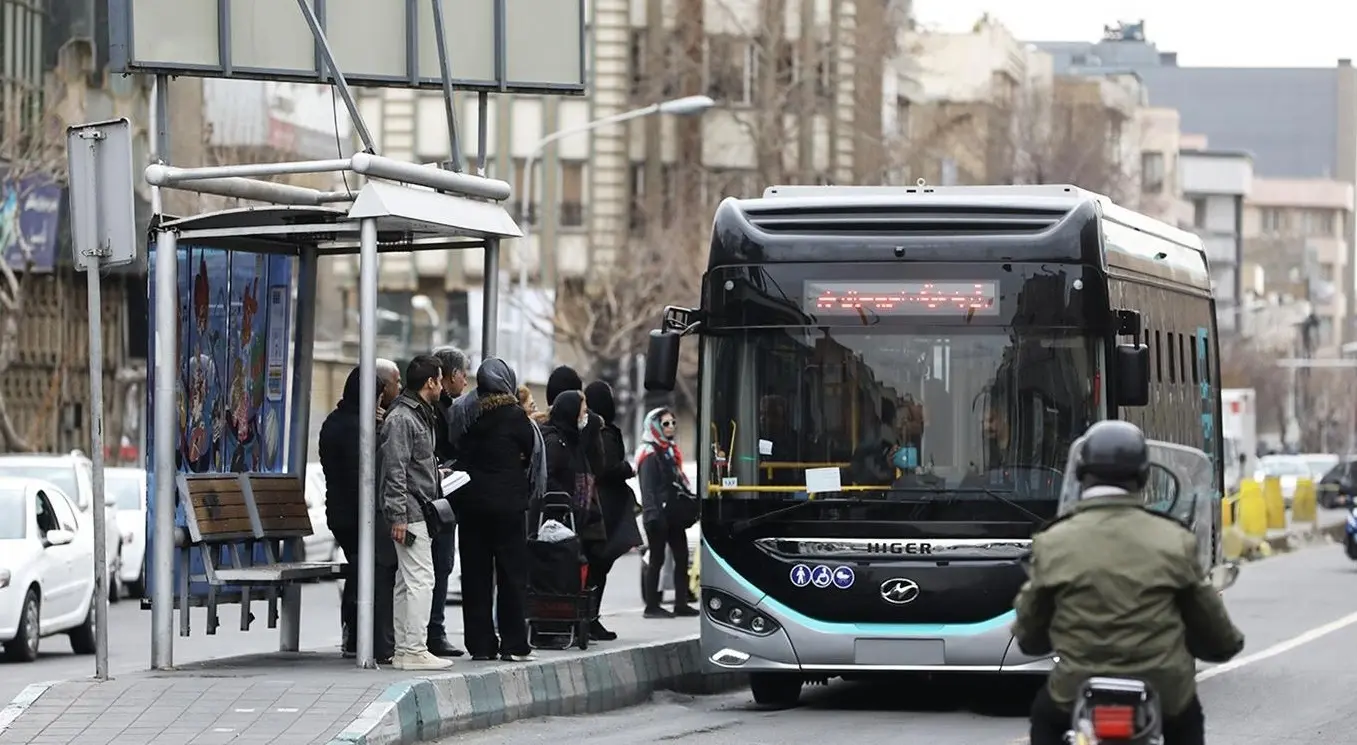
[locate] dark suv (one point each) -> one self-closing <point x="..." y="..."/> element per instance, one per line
<point x="1338" y="487"/>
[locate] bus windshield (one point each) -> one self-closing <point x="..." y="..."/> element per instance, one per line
<point x="965" y="414"/>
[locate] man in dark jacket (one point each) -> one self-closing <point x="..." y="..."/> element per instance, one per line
<point x="1117" y="590"/>
<point x="456" y="368"/>
<point x="615" y="497"/>
<point x="339" y="461"/>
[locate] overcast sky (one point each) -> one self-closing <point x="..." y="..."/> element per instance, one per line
<point x="1204" y="33"/>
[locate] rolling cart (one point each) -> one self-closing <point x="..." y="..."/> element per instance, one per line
<point x="560" y="601"/>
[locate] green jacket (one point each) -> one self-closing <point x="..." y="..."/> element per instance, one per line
<point x="1114" y="589"/>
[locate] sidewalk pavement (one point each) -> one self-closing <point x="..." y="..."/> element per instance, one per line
<point x="317" y="697"/>
<point x="1328" y="525"/>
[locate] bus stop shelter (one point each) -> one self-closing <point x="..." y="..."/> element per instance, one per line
<point x="231" y="291"/>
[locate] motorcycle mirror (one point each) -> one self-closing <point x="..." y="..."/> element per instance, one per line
<point x="1224" y="576"/>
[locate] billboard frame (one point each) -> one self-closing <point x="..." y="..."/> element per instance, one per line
<point x="123" y="55"/>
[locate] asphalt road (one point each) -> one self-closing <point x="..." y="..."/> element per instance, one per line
<point x="1292" y="684"/>
<point x="130" y="633"/>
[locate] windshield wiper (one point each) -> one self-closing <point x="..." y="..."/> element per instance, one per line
<point x="741" y="526"/>
<point x="996" y="496"/>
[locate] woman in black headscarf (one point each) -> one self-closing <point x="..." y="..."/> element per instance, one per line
<point x="569" y="435"/>
<point x="616" y="500"/>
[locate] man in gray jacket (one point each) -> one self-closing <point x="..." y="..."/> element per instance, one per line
<point x="409" y="483"/>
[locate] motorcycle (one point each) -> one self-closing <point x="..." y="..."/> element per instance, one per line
<point x="1116" y="710"/>
<point x="1350" y="539"/>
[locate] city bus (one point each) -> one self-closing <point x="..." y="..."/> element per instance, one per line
<point x="889" y="383"/>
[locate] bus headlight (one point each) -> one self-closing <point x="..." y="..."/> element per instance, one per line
<point x="726" y="610"/>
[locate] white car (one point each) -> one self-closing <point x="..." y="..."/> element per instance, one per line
<point x="1287" y="468"/>
<point x="694" y="534"/>
<point x="73" y="474"/>
<point x="46" y="569"/>
<point x="127" y="488"/>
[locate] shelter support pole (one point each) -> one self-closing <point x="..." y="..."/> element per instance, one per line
<point x="290" y="625"/>
<point x="445" y="67"/>
<point x="490" y="302"/>
<point x="482" y="121"/>
<point x="367" y="438"/>
<point x="166" y="434"/>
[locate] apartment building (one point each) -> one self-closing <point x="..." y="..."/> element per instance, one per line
<point x="1161" y="189"/>
<point x="1215" y="184"/>
<point x="798" y="95"/>
<point x="1295" y="234"/>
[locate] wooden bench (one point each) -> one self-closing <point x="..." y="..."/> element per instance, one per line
<point x="232" y="518"/>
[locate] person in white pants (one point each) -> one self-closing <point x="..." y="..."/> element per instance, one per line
<point x="408" y="481"/>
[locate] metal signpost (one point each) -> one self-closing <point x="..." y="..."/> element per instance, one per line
<point x="488" y="46"/>
<point x="103" y="220"/>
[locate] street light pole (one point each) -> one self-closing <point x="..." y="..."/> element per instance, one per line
<point x="686" y="106"/>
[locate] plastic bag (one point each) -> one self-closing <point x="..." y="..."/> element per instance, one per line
<point x="552" y="531"/>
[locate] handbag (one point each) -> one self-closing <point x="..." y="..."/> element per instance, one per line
<point x="684" y="508"/>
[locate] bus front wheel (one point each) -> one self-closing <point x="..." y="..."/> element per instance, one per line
<point x="780" y="690"/>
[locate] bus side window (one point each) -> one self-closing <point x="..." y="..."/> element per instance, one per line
<point x="1206" y="358"/>
<point x="1173" y="359"/>
<point x="1182" y="360"/>
<point x="1196" y="374"/>
<point x="1158" y="359"/>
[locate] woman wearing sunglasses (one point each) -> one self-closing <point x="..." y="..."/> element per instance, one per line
<point x="668" y="509"/>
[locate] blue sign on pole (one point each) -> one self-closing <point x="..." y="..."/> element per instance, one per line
<point x="30" y="213"/>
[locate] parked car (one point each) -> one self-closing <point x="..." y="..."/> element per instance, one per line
<point x="127" y="488"/>
<point x="1287" y="468"/>
<point x="73" y="474"/>
<point x="46" y="569"/>
<point x="320" y="545"/>
<point x="694" y="534"/>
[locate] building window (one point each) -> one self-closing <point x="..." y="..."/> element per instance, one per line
<point x="732" y="68"/>
<point x="640" y="62"/>
<point x="1319" y="222"/>
<point x="1271" y="220"/>
<point x="572" y="194"/>
<point x="1199" y="212"/>
<point x="1152" y="172"/>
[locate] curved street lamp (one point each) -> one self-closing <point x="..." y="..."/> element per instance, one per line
<point x="685" y="106"/>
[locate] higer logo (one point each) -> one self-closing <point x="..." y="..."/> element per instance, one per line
<point x="900" y="548"/>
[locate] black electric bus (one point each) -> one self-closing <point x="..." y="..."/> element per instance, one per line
<point x="890" y="380"/>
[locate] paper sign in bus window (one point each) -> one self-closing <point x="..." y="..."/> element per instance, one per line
<point x="820" y="480"/>
<point x="765" y="447"/>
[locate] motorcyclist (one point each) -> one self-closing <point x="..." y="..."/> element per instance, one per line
<point x="1116" y="590"/>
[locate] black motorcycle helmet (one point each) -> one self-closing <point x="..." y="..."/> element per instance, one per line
<point x="1114" y="454"/>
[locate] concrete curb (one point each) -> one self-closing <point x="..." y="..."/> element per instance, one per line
<point x="21" y="702"/>
<point x="1255" y="549"/>
<point x="439" y="706"/>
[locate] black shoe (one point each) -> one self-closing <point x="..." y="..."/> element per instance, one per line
<point x="600" y="633"/>
<point x="685" y="610"/>
<point x="444" y="648"/>
<point x="657" y="612"/>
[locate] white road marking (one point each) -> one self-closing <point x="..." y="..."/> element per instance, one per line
<point x="287" y="711"/>
<point x="1279" y="648"/>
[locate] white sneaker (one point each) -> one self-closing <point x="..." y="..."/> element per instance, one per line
<point x="420" y="661"/>
<point x="518" y="657"/>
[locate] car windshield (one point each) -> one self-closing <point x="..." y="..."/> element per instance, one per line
<point x="13" y="517"/>
<point x="1283" y="467"/>
<point x="125" y="488"/>
<point x="968" y="413"/>
<point x="62" y="475"/>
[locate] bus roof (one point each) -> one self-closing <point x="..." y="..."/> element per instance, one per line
<point x="1038" y="197"/>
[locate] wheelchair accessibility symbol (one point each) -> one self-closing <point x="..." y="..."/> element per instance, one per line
<point x="821" y="577"/>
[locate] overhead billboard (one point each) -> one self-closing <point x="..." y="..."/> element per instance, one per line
<point x="507" y="46"/>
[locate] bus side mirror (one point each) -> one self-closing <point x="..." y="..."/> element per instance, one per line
<point x="662" y="360"/>
<point x="1133" y="375"/>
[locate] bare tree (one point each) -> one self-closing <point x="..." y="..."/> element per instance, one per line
<point x="32" y="161"/>
<point x="1247" y="366"/>
<point x="1064" y="135"/>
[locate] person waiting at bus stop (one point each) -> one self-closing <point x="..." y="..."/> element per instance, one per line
<point x="456" y="369"/>
<point x="1116" y="590"/>
<point x="667" y="510"/>
<point x="339" y="460"/>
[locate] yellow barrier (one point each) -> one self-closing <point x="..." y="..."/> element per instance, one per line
<point x="1251" y="510"/>
<point x="1232" y="544"/>
<point x="1303" y="506"/>
<point x="695" y="573"/>
<point x="1276" y="505"/>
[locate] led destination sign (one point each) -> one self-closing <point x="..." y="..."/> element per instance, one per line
<point x="903" y="298"/>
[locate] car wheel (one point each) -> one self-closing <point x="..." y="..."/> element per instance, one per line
<point x="114" y="587"/>
<point x="24" y="646"/>
<point x="82" y="636"/>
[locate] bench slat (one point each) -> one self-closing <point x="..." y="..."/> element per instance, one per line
<point x="219" y="506"/>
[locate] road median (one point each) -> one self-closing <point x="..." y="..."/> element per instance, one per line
<point x="437" y="706"/>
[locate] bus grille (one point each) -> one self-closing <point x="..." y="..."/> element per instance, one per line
<point x="896" y="220"/>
